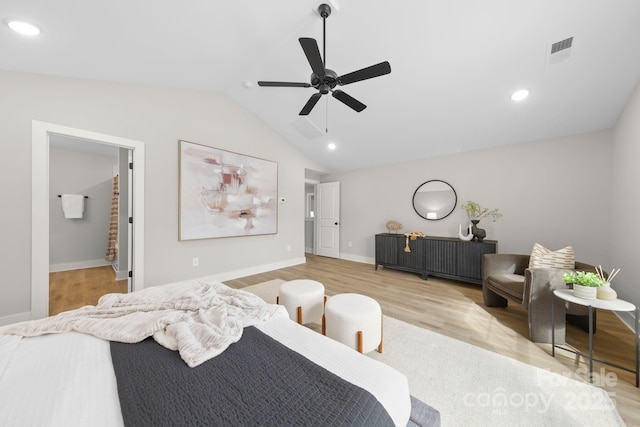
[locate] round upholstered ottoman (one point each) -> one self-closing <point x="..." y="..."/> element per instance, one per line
<point x="354" y="320"/>
<point x="303" y="299"/>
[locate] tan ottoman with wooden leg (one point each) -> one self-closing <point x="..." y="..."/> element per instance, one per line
<point x="303" y="299"/>
<point x="354" y="320"/>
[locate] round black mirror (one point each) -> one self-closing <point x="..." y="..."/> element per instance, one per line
<point x="434" y="200"/>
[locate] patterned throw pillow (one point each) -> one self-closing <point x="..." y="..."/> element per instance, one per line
<point x="542" y="257"/>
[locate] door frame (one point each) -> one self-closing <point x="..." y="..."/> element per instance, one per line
<point x="40" y="207"/>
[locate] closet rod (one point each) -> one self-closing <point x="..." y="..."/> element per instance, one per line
<point x="86" y="197"/>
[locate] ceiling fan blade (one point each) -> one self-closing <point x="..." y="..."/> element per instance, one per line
<point x="310" y="47"/>
<point x="365" y="73"/>
<point x="283" y="84"/>
<point x="348" y="100"/>
<point x="310" y="104"/>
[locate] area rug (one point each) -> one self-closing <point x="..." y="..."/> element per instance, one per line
<point x="472" y="386"/>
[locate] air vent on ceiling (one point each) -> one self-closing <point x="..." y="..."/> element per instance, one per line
<point x="561" y="45"/>
<point x="560" y="51"/>
<point x="306" y="128"/>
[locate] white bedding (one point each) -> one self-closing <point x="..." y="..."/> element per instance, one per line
<point x="57" y="380"/>
<point x="389" y="386"/>
<point x="68" y="379"/>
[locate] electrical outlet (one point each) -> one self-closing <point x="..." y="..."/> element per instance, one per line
<point x="288" y="248"/>
<point x="196" y="262"/>
<point x="350" y="244"/>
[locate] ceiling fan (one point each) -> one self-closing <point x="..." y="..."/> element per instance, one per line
<point x="324" y="79"/>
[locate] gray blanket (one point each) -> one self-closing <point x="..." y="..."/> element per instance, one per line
<point x="257" y="381"/>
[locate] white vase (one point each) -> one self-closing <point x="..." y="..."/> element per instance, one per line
<point x="606" y="293"/>
<point x="585" y="292"/>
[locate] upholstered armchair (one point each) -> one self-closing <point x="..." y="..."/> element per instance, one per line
<point x="508" y="277"/>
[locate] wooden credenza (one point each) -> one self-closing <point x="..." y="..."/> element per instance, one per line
<point x="434" y="256"/>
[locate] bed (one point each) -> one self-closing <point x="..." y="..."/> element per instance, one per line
<point x="71" y="371"/>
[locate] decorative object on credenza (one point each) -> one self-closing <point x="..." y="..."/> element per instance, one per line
<point x="478" y="233"/>
<point x="475" y="212"/>
<point x="393" y="226"/>
<point x="585" y="284"/>
<point x="469" y="235"/>
<point x="225" y="194"/>
<point x="434" y="200"/>
<point x="413" y="235"/>
<point x="605" y="292"/>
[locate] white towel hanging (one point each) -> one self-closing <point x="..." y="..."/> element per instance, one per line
<point x="73" y="205"/>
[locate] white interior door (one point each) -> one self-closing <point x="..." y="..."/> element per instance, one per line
<point x="328" y="219"/>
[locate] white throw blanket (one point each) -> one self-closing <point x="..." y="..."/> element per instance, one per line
<point x="199" y="319"/>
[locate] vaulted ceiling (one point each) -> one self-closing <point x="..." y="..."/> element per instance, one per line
<point x="454" y="65"/>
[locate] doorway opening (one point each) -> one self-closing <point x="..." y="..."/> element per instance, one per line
<point x="89" y="208"/>
<point x="310" y="216"/>
<point x="42" y="135"/>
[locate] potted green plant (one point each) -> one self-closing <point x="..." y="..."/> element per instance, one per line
<point x="585" y="284"/>
<point x="475" y="212"/>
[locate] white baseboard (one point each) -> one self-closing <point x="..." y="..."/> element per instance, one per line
<point x="15" y="318"/>
<point x="121" y="275"/>
<point x="357" y="258"/>
<point x="230" y="275"/>
<point x="308" y="250"/>
<point x="78" y="265"/>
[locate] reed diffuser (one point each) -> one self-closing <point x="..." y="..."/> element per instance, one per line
<point x="605" y="292"/>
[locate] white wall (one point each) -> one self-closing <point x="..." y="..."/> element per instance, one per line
<point x="580" y="190"/>
<point x="625" y="233"/>
<point x="77" y="243"/>
<point x="158" y="117"/>
<point x="555" y="192"/>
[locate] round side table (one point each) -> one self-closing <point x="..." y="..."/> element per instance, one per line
<point x="615" y="305"/>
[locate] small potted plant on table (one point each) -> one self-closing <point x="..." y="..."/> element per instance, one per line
<point x="585" y="284"/>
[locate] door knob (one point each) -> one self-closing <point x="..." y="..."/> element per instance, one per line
<point x="336" y="223"/>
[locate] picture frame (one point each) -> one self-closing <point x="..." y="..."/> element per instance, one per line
<point x="225" y="194"/>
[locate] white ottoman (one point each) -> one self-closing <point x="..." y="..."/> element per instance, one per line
<point x="354" y="320"/>
<point x="303" y="299"/>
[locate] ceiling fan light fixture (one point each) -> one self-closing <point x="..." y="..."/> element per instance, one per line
<point x="520" y="95"/>
<point x="22" y="27"/>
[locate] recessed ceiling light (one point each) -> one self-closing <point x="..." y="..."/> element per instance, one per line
<point x="23" y="28"/>
<point x="331" y="146"/>
<point x="519" y="95"/>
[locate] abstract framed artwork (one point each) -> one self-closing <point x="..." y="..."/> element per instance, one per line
<point x="225" y="194"/>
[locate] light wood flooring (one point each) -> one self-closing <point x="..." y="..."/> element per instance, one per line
<point x="73" y="289"/>
<point x="456" y="309"/>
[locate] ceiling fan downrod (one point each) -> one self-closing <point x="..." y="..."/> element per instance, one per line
<point x="325" y="11"/>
